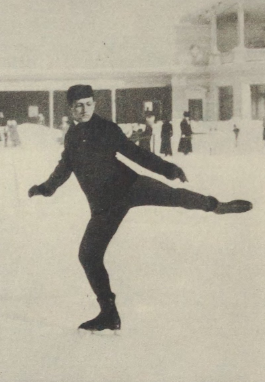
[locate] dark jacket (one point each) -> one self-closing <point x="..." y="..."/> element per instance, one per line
<point x="185" y="145"/>
<point x="166" y="134"/>
<point x="185" y="128"/>
<point x="90" y="153"/>
<point x="145" y="138"/>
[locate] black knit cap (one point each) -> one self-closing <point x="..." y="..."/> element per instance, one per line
<point x="77" y="92"/>
<point x="186" y="114"/>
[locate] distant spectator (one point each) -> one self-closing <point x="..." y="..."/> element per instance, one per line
<point x="185" y="144"/>
<point x="135" y="134"/>
<point x="13" y="133"/>
<point x="166" y="134"/>
<point x="146" y="135"/>
<point x="2" y="125"/>
<point x="64" y="126"/>
<point x="41" y="119"/>
<point x="6" y="135"/>
<point x="7" y="131"/>
<point x="264" y="128"/>
<point x="2" y="119"/>
<point x="236" y="132"/>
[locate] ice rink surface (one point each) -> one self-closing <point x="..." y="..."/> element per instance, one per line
<point x="190" y="285"/>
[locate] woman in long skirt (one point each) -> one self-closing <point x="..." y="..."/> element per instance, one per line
<point x="166" y="134"/>
<point x="185" y="145"/>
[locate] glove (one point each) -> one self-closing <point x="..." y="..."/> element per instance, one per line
<point x="34" y="191"/>
<point x="182" y="177"/>
<point x="40" y="190"/>
<point x="177" y="173"/>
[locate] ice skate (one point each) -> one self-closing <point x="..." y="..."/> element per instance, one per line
<point x="233" y="207"/>
<point x="108" y="318"/>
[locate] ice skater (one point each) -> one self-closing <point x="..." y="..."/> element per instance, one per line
<point x="112" y="188"/>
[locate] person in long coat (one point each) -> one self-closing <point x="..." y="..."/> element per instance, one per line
<point x="13" y="133"/>
<point x="185" y="144"/>
<point x="166" y="134"/>
<point x="112" y="189"/>
<point x="145" y="137"/>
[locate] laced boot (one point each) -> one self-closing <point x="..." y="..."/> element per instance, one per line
<point x="108" y="317"/>
<point x="235" y="206"/>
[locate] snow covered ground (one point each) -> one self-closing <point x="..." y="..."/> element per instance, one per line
<point x="190" y="286"/>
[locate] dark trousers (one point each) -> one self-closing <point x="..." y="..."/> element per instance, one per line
<point x="102" y="226"/>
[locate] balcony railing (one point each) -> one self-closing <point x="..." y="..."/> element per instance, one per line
<point x="245" y="55"/>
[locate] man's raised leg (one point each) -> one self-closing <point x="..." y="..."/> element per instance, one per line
<point x="148" y="191"/>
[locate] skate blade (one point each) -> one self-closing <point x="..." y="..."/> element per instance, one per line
<point x="105" y="333"/>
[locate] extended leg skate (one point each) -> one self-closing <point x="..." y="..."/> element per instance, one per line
<point x="235" y="206"/>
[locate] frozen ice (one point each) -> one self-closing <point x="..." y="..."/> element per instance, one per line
<point x="190" y="285"/>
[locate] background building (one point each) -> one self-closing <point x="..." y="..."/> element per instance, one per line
<point x="209" y="60"/>
<point x="220" y="59"/>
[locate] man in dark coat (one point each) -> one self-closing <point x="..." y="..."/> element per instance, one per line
<point x="185" y="145"/>
<point x="166" y="134"/>
<point x="112" y="188"/>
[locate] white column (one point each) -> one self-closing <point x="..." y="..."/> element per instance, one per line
<point x="214" y="49"/>
<point x="215" y="54"/>
<point x="240" y="49"/>
<point x="241" y="25"/>
<point x="51" y="108"/>
<point x="113" y="105"/>
<point x="179" y="101"/>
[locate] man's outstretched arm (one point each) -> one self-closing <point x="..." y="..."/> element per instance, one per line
<point x="59" y="176"/>
<point x="147" y="159"/>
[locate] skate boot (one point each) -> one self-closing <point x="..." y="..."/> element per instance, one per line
<point x="108" y="317"/>
<point x="233" y="207"/>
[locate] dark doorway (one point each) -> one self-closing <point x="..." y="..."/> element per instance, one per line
<point x="196" y="109"/>
<point x="226" y="103"/>
<point x="132" y="104"/>
<point x="17" y="105"/>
